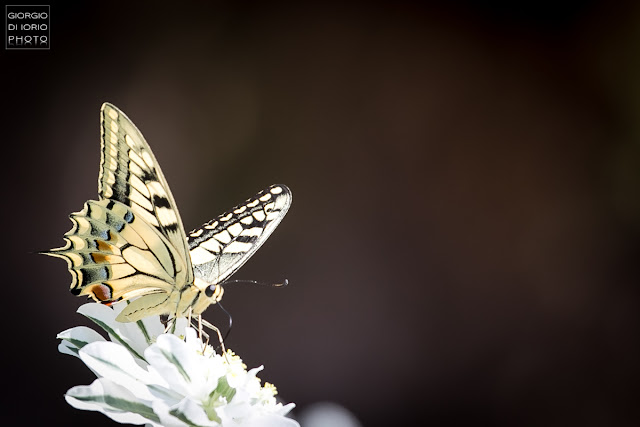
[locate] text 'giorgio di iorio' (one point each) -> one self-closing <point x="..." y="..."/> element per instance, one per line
<point x="28" y="27"/>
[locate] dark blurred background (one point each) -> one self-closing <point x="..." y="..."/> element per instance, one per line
<point x="463" y="242"/>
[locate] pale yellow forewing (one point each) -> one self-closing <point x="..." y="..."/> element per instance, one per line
<point x="130" y="174"/>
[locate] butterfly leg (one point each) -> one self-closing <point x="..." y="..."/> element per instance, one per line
<point x="203" y="334"/>
<point x="170" y="325"/>
<point x="213" y="328"/>
<point x="189" y="315"/>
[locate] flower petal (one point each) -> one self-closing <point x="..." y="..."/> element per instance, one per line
<point x="192" y="414"/>
<point x="270" y="420"/>
<point x="238" y="411"/>
<point x="113" y="400"/>
<point x="176" y="363"/>
<point x="112" y="361"/>
<point x="74" y="339"/>
<point x="166" y="419"/>
<point x="150" y="327"/>
<point x="181" y="325"/>
<point x="128" y="334"/>
<point x="144" y="332"/>
<point x="284" y="409"/>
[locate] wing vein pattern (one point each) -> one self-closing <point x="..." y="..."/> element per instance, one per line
<point x="221" y="246"/>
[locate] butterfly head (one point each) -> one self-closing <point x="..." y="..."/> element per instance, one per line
<point x="214" y="293"/>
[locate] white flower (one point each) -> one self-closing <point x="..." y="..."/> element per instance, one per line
<point x="146" y="376"/>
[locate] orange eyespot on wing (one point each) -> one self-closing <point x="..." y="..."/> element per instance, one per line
<point x="101" y="292"/>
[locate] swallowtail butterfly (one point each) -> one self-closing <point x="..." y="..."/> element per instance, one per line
<point x="131" y="245"/>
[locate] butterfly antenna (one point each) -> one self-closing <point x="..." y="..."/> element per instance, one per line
<point x="284" y="283"/>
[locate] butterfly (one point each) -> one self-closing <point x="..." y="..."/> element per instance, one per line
<point x="130" y="245"/>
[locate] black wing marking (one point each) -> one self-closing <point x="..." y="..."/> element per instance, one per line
<point x="221" y="246"/>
